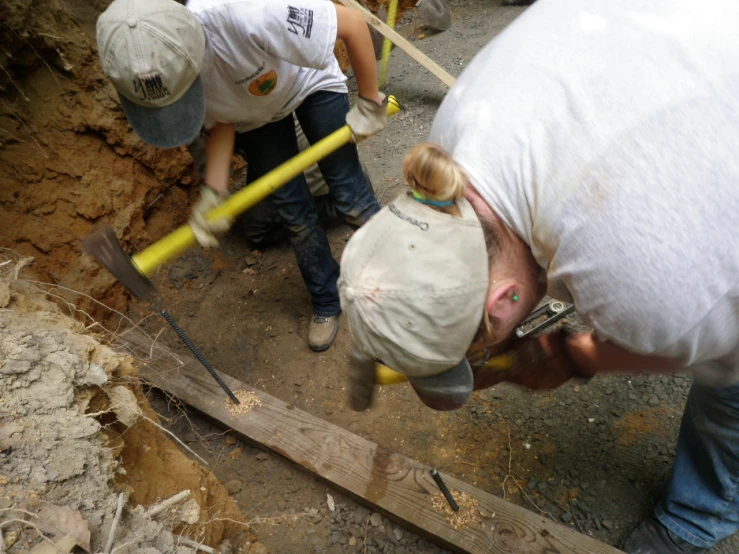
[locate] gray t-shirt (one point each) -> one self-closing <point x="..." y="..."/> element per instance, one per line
<point x="606" y="135"/>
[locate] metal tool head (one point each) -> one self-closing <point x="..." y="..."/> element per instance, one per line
<point x="435" y="13"/>
<point x="361" y="380"/>
<point x="105" y="248"/>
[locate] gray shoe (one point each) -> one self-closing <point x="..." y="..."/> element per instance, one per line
<point x="322" y="332"/>
<point x="651" y="537"/>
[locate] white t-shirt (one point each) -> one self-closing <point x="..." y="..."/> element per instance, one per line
<point x="606" y="135"/>
<point x="264" y="57"/>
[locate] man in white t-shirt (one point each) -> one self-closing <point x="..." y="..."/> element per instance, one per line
<point x="598" y="142"/>
<point x="239" y="69"/>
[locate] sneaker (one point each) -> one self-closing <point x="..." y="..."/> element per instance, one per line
<point x="651" y="537"/>
<point x="322" y="332"/>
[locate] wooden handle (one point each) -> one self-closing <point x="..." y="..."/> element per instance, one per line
<point x="400" y="42"/>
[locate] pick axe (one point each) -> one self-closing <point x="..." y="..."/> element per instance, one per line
<point x="133" y="271"/>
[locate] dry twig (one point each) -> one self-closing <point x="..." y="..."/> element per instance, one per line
<point x="175" y="437"/>
<point x="116" y="520"/>
<point x="158" y="508"/>
<point x="196" y="545"/>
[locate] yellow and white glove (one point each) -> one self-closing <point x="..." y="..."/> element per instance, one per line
<point x="366" y="118"/>
<point x="205" y="231"/>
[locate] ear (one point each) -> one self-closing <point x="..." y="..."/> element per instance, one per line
<point x="501" y="304"/>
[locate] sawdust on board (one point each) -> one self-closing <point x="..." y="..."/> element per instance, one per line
<point x="249" y="400"/>
<point x="467" y="513"/>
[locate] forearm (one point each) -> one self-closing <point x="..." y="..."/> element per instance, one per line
<point x="219" y="146"/>
<point x="353" y="30"/>
<point x="595" y="356"/>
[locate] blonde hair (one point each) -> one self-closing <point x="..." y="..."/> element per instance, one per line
<point x="432" y="172"/>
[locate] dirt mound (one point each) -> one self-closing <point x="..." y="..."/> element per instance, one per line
<point x="69" y="157"/>
<point x="76" y="431"/>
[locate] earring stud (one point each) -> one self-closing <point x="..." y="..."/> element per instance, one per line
<point x="515" y="296"/>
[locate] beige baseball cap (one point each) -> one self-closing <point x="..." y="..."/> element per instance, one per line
<point x="152" y="51"/>
<point x="413" y="286"/>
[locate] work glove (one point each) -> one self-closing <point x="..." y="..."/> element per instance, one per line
<point x="205" y="231"/>
<point x="537" y="363"/>
<point x="366" y="118"/>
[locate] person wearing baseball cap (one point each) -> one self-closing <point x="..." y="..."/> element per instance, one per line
<point x="237" y="70"/>
<point x="588" y="152"/>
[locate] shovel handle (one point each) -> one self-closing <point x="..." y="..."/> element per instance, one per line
<point x="181" y="239"/>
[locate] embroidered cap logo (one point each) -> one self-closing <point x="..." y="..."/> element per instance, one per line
<point x="150" y="86"/>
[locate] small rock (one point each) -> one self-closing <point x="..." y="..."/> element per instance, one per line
<point x="398" y="533"/>
<point x="262" y="456"/>
<point x="251" y="260"/>
<point x="607" y="524"/>
<point x="335" y="536"/>
<point x="313" y="511"/>
<point x="653" y="400"/>
<point x="353" y="541"/>
<point x="632" y="396"/>
<point x="234" y="486"/>
<point x="566" y="517"/>
<point x="573" y="472"/>
<point x="376" y="519"/>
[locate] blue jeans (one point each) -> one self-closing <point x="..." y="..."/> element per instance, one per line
<point x="265" y="148"/>
<point x="701" y="502"/>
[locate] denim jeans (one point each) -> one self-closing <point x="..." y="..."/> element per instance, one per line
<point x="270" y="145"/>
<point x="701" y="502"/>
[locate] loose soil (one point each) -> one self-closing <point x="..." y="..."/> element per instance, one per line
<point x="592" y="456"/>
<point x="76" y="431"/>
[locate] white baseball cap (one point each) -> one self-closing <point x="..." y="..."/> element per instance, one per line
<point x="152" y="51"/>
<point x="413" y="286"/>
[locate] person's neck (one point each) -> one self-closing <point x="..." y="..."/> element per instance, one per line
<point x="516" y="259"/>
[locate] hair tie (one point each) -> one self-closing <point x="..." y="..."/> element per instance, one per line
<point x="423" y="199"/>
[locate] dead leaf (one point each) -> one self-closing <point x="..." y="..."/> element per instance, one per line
<point x="230" y="440"/>
<point x="330" y="502"/>
<point x="235" y="454"/>
<point x="63" y="520"/>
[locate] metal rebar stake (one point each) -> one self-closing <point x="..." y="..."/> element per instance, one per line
<point x="444" y="490"/>
<point x="198" y="355"/>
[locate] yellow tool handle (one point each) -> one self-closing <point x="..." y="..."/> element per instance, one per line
<point x="386" y="376"/>
<point x="181" y="239"/>
<point x="386" y="44"/>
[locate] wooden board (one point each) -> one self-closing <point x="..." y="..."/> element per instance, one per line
<point x="399" y="487"/>
<point x="376" y="23"/>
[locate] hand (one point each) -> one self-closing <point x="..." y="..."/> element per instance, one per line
<point x="367" y="117"/>
<point x="539" y="363"/>
<point x="205" y="230"/>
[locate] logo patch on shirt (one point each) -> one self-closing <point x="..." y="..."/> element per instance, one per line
<point x="262" y="86"/>
<point x="149" y="86"/>
<point x="300" y="21"/>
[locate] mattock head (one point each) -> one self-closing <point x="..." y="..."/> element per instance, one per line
<point x="105" y="248"/>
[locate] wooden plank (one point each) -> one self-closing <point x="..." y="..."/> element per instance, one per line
<point x="376" y="23"/>
<point x="389" y="482"/>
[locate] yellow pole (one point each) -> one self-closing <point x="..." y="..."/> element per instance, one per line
<point x="181" y="239"/>
<point x="387" y="45"/>
<point x="386" y="376"/>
